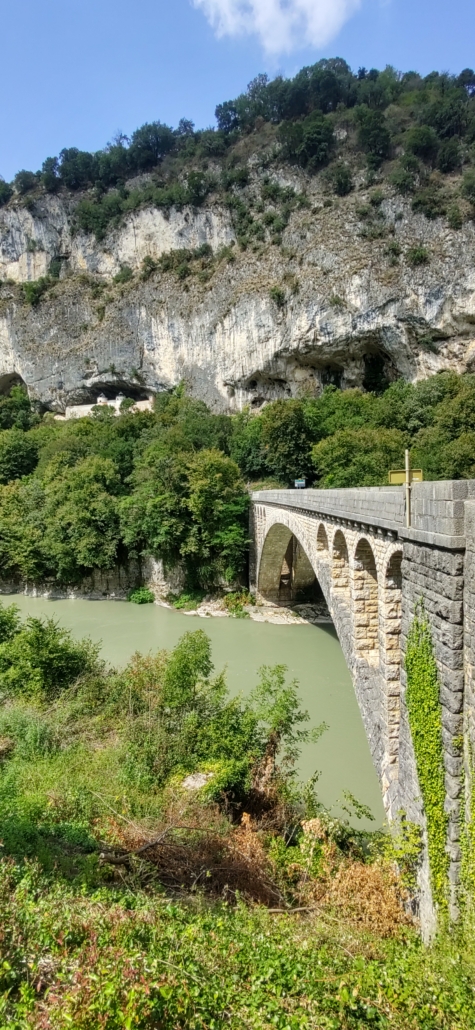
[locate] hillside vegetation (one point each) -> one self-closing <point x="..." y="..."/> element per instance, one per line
<point x="173" y="483"/>
<point x="130" y="898"/>
<point x="419" y="130"/>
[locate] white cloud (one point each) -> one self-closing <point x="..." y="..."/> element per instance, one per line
<point x="281" y="25"/>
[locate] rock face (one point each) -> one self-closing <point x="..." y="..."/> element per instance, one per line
<point x="348" y="307"/>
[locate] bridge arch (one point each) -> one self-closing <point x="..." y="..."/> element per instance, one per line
<point x="286" y="574"/>
<point x="359" y="575"/>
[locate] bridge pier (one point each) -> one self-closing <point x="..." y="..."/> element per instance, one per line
<point x="373" y="571"/>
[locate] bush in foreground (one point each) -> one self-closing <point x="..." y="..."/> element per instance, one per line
<point x="128" y="899"/>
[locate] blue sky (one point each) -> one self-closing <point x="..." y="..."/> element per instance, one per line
<point x="73" y="72"/>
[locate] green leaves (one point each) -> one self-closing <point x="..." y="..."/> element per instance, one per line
<point x="425" y="721"/>
<point x="18" y="454"/>
<point x="189" y="509"/>
<point x="80" y="511"/>
<point x="358" y="457"/>
<point x="38" y="659"/>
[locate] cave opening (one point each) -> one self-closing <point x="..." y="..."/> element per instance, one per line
<point x="332" y="375"/>
<point x="379" y="372"/>
<point x="10" y="379"/>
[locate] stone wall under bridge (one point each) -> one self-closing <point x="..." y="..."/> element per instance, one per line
<point x="353" y="545"/>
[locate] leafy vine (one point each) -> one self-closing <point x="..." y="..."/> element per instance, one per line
<point x="467" y="821"/>
<point x="425" y="720"/>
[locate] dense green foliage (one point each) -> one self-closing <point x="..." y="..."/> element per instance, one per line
<point x="88" y="494"/>
<point x="121" y="957"/>
<point x="353" y="438"/>
<point x="87" y="943"/>
<point x="172" y="716"/>
<point x="425" y="721"/>
<point x="91" y="493"/>
<point x="38" y="660"/>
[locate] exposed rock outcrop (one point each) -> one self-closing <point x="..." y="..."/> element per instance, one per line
<point x="348" y="306"/>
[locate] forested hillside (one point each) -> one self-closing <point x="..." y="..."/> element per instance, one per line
<point x="432" y="118"/>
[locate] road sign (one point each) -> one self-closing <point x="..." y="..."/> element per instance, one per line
<point x="398" y="476"/>
<point x="299" y="484"/>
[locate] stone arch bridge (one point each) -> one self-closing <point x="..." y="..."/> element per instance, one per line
<point x="353" y="546"/>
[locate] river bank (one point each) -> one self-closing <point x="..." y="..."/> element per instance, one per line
<point x="311" y="653"/>
<point x="278" y="615"/>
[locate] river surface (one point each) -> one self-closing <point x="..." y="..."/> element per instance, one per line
<point x="312" y="655"/>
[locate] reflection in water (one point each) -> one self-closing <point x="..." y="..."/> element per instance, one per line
<point x="311" y="653"/>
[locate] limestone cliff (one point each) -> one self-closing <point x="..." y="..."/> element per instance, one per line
<point x="347" y="298"/>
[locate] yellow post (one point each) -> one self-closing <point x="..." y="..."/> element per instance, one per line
<point x="408" y="487"/>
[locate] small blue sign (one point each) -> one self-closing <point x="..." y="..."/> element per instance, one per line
<point x="300" y="484"/>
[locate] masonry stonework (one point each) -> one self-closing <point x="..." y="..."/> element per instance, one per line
<point x="373" y="571"/>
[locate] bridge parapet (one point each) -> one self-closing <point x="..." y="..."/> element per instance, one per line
<point x="373" y="571"/>
<point x="437" y="509"/>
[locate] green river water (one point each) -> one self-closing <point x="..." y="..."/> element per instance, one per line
<point x="312" y="655"/>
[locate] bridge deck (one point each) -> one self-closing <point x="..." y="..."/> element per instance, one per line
<point x="437" y="508"/>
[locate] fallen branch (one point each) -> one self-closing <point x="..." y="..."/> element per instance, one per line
<point x="124" y="858"/>
<point x="290" y="911"/>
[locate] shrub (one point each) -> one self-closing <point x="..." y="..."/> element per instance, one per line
<point x="234" y="177"/>
<point x="124" y="276"/>
<point x="454" y="217"/>
<point x="403" y="180"/>
<point x="430" y="202"/>
<point x="428" y="343"/>
<point x="342" y="179"/>
<point x="141" y="596"/>
<point x="393" y="251"/>
<point x="5" y="192"/>
<point x="40" y="660"/>
<point x="376" y="198"/>
<point x="468" y="186"/>
<point x="418" y="255"/>
<point x="9" y="621"/>
<point x="34" y="290"/>
<point x="276" y="293"/>
<point x="234" y="603"/>
<point x="24" y="182"/>
<point x="32" y="736"/>
<point x="149" y="266"/>
<point x="422" y="141"/>
<point x="188" y="600"/>
<point x="54" y="270"/>
<point x="449" y="157"/>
